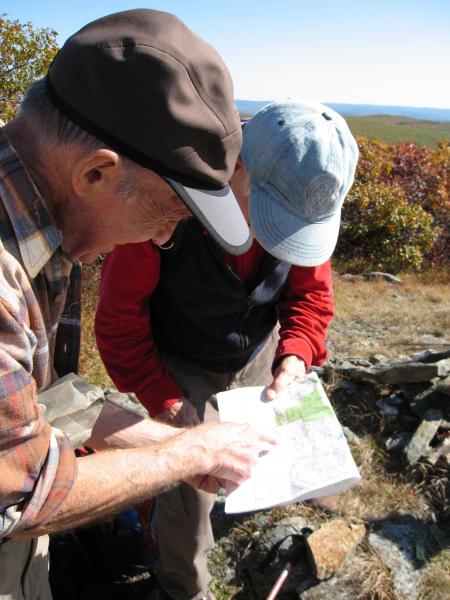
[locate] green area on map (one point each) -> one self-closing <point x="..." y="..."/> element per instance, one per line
<point x="309" y="407"/>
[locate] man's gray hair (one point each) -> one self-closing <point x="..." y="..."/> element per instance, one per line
<point x="52" y="123"/>
<point x="58" y="129"/>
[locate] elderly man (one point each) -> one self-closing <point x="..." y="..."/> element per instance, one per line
<point x="132" y="130"/>
<point x="195" y="320"/>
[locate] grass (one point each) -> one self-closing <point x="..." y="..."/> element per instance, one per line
<point x="369" y="576"/>
<point x="91" y="366"/>
<point x="381" y="492"/>
<point x="376" y="317"/>
<point x="392" y="130"/>
<point x="436" y="585"/>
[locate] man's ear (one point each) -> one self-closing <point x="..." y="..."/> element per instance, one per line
<point x="98" y="168"/>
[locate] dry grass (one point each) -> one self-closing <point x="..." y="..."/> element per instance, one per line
<point x="376" y="317"/>
<point x="380" y="493"/>
<point x="91" y="366"/>
<point x="370" y="577"/>
<point x="436" y="583"/>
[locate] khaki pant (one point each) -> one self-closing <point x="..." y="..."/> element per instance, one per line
<point x="24" y="570"/>
<point x="183" y="526"/>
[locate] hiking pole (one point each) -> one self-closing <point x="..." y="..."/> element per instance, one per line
<point x="280" y="581"/>
<point x="293" y="555"/>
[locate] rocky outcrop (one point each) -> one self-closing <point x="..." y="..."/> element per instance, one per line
<point x="414" y="396"/>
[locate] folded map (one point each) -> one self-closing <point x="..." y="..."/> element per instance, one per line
<point x="312" y="458"/>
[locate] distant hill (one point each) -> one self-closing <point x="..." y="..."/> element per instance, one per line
<point x="394" y="129"/>
<point x="385" y="127"/>
<point x="250" y="107"/>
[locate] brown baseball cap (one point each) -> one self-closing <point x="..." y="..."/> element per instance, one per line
<point x="145" y="84"/>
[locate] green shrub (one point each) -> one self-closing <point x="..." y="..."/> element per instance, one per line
<point x="397" y="214"/>
<point x="382" y="231"/>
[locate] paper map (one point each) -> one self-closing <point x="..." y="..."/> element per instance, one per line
<point x="312" y="458"/>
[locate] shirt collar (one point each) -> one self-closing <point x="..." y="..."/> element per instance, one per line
<point x="35" y="231"/>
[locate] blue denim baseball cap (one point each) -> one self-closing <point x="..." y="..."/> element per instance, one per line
<point x="301" y="158"/>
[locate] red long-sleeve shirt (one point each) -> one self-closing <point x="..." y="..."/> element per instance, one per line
<point x="130" y="274"/>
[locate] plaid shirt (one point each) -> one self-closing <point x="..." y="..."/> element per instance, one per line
<point x="39" y="340"/>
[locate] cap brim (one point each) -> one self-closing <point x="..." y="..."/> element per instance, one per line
<point x="219" y="212"/>
<point x="287" y="236"/>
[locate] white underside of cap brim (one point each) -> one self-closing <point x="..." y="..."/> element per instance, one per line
<point x="287" y="236"/>
<point x="219" y="212"/>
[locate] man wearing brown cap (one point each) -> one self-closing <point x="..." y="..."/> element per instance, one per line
<point x="132" y="130"/>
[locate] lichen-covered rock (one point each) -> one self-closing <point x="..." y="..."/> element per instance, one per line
<point x="419" y="445"/>
<point x="338" y="587"/>
<point x="444" y="386"/>
<point x="329" y="546"/>
<point x="401" y="547"/>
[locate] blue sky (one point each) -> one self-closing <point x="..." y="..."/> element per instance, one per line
<point x="374" y="52"/>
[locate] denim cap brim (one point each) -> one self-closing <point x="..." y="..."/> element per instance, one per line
<point x="287" y="236"/>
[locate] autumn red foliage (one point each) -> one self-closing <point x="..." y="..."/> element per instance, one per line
<point x="397" y="214"/>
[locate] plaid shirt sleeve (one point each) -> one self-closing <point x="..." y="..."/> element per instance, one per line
<point x="37" y="463"/>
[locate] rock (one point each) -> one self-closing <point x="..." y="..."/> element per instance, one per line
<point x="441" y="402"/>
<point x="419" y="395"/>
<point x="443" y="386"/>
<point x="413" y="391"/>
<point x="387" y="407"/>
<point x="380" y="275"/>
<point x="442" y="450"/>
<point x="399" y="545"/>
<point x="443" y="367"/>
<point x="284" y="528"/>
<point x="350" y="435"/>
<point x="421" y="405"/>
<point x="397" y="441"/>
<point x="358" y="362"/>
<point x="336" y="588"/>
<point x="408" y="422"/>
<point x="377" y="359"/>
<point x="410" y="372"/>
<point x="394" y="400"/>
<point x="353" y="372"/>
<point x="430" y="355"/>
<point x="329" y="546"/>
<point x="393" y="373"/>
<point x="352" y="387"/>
<point x="262" y="520"/>
<point x="433" y="340"/>
<point x="419" y="444"/>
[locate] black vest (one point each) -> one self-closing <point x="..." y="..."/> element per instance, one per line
<point x="202" y="312"/>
